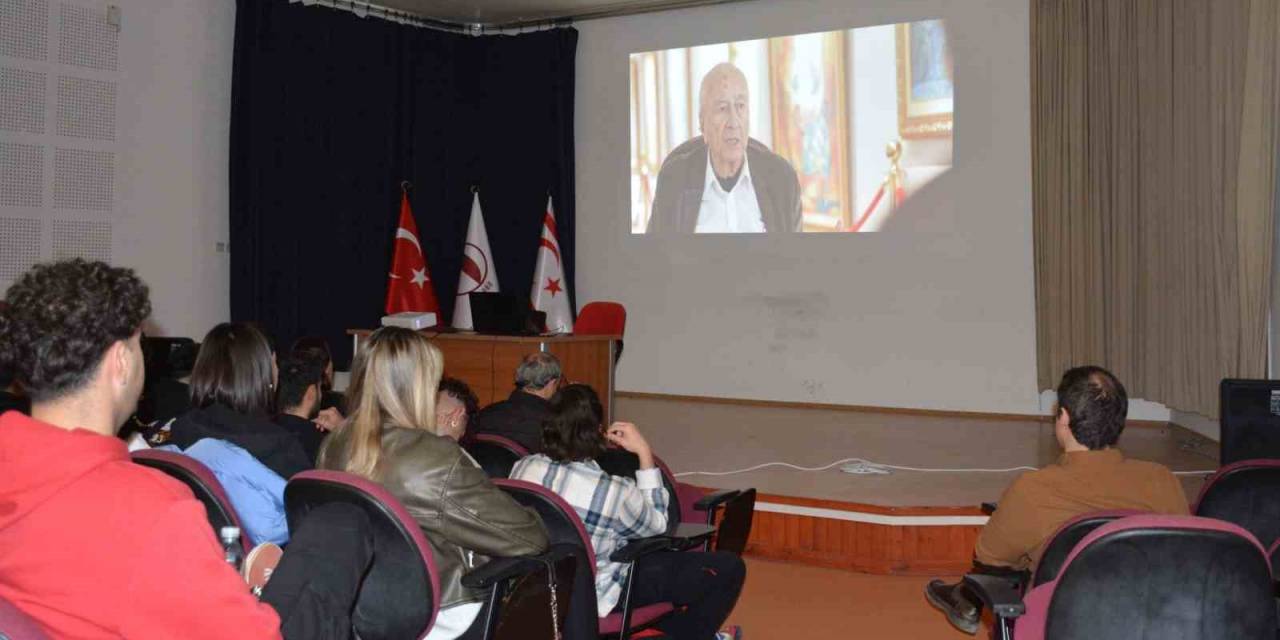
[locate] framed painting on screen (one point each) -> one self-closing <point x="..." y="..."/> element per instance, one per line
<point x="926" y="89"/>
<point x="810" y="123"/>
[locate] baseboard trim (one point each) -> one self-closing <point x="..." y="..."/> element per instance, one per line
<point x="908" y="411"/>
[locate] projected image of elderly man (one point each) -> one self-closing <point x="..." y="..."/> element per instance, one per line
<point x="723" y="181"/>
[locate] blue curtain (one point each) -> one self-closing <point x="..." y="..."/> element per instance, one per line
<point x="331" y="111"/>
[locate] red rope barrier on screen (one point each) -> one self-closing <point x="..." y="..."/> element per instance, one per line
<point x="871" y="208"/>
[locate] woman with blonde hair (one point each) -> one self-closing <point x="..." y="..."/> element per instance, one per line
<point x="391" y="437"/>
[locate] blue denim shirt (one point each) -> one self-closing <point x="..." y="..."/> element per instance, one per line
<point x="256" y="492"/>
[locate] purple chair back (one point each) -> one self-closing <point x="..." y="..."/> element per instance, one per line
<point x="495" y="454"/>
<point x="564" y="526"/>
<point x="1152" y="576"/>
<point x="1059" y="545"/>
<point x="562" y="522"/>
<point x="1246" y="493"/>
<point x="203" y="484"/>
<point x="400" y="595"/>
<point x="16" y="625"/>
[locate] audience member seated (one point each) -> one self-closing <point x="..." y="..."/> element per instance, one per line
<point x="298" y="399"/>
<point x="615" y="510"/>
<point x="318" y="348"/>
<point x="231" y="392"/>
<point x="456" y="408"/>
<point x="95" y="546"/>
<point x="392" y="438"/>
<point x="521" y="415"/>
<point x="1090" y="475"/>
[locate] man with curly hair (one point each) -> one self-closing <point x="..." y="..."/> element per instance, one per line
<point x="92" y="545"/>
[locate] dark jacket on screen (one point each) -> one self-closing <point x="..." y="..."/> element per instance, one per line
<point x="270" y="443"/>
<point x="464" y="516"/>
<point x="678" y="196"/>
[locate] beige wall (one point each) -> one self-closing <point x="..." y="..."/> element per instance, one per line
<point x="938" y="318"/>
<point x="174" y="122"/>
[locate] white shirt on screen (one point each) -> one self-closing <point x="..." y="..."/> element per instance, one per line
<point x="733" y="211"/>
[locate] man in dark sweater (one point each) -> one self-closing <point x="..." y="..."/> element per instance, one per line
<point x="520" y="416"/>
<point x="298" y="398"/>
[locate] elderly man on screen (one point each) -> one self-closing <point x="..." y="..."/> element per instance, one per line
<point x="723" y="181"/>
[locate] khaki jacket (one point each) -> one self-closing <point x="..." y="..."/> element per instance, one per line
<point x="465" y="518"/>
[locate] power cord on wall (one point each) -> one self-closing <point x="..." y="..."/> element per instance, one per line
<point x="862" y="466"/>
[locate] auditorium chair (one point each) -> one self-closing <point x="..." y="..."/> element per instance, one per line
<point x="689" y="504"/>
<point x="602" y="319"/>
<point x="203" y="484"/>
<point x="400" y="595"/>
<point x="495" y="454"/>
<point x="565" y="527"/>
<point x="1059" y="545"/>
<point x="16" y="625"/>
<point x="1246" y="493"/>
<point x="1144" y="577"/>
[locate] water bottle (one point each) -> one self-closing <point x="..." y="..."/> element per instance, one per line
<point x="232" y="550"/>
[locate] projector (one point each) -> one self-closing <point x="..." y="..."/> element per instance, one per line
<point x="410" y="320"/>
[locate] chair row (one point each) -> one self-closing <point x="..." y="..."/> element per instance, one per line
<point x="400" y="595"/>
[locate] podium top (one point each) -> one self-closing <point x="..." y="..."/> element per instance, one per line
<point x="486" y="337"/>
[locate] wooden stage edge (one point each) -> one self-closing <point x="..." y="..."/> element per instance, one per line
<point x="743" y="402"/>
<point x="925" y="541"/>
<point x="874" y="539"/>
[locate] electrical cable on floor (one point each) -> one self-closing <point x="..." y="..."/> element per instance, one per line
<point x="864" y="466"/>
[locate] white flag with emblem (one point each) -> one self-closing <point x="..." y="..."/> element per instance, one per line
<point x="550" y="294"/>
<point x="478" y="274"/>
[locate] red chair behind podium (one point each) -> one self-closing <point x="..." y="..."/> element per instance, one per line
<point x="602" y="319"/>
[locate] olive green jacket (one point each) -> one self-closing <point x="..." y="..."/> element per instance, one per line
<point x="465" y="518"/>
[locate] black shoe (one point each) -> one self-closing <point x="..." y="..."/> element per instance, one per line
<point x="951" y="600"/>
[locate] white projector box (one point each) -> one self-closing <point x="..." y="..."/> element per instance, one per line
<point x="410" y="320"/>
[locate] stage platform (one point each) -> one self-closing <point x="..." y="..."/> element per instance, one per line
<point x="906" y="522"/>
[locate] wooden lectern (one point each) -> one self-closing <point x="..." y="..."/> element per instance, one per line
<point x="487" y="363"/>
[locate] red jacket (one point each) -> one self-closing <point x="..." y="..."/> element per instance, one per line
<point x="94" y="546"/>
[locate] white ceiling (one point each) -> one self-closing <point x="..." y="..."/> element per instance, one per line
<point x="500" y="12"/>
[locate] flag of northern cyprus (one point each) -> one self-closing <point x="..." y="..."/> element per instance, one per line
<point x="550" y="293"/>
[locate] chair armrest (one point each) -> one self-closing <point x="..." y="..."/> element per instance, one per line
<point x="712" y="500"/>
<point x="499" y="569"/>
<point x="997" y="594"/>
<point x="636" y="549"/>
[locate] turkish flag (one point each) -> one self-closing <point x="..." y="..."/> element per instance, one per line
<point x="478" y="274"/>
<point x="550" y="293"/>
<point x="409" y="284"/>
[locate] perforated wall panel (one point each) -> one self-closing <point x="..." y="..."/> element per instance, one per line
<point x="21" y="175"/>
<point x="86" y="108"/>
<point x="24" y="29"/>
<point x="21" y="100"/>
<point x="83" y="180"/>
<point x="81" y="239"/>
<point x="19" y="247"/>
<point x="86" y="39"/>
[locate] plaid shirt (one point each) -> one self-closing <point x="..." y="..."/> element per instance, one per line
<point x="614" y="509"/>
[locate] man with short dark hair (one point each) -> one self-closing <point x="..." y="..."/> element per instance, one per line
<point x="298" y="398"/>
<point x="1090" y="475"/>
<point x="520" y="416"/>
